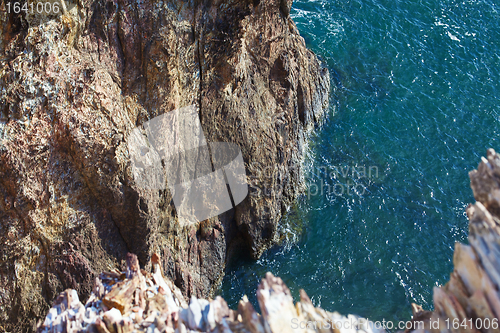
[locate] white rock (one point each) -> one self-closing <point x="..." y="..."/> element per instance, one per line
<point x="112" y="316"/>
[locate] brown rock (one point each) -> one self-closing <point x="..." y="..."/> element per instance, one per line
<point x="74" y="87"/>
<point x="121" y="295"/>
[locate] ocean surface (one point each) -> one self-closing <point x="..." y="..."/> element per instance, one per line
<point x="415" y="105"/>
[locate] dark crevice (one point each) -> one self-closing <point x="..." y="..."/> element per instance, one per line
<point x="300" y="104"/>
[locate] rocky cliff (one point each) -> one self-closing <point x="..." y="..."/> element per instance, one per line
<point x="74" y="84"/>
<point x="136" y="300"/>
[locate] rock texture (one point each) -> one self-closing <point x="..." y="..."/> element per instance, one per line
<point x="74" y="85"/>
<point x="137" y="301"/>
<point x="470" y="301"/>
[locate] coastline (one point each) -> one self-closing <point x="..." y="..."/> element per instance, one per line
<point x="469" y="302"/>
<point x="77" y="84"/>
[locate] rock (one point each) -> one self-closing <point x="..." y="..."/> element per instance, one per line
<point x="66" y="314"/>
<point x="279" y="314"/>
<point x="75" y="86"/>
<point x="276" y="304"/>
<point x="468" y="303"/>
<point x="285" y="6"/>
<point x="251" y="319"/>
<point x="122" y="294"/>
<point x="112" y="318"/>
<point x="194" y="316"/>
<point x="471" y="297"/>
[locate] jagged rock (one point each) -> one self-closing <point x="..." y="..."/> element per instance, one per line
<point x="66" y="314"/>
<point x="279" y="312"/>
<point x="470" y="301"/>
<point x="74" y="86"/>
<point x="276" y="303"/>
<point x="251" y="319"/>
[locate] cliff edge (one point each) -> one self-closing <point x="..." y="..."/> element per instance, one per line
<point x="76" y="83"/>
<point x="139" y="301"/>
<point x="136" y="300"/>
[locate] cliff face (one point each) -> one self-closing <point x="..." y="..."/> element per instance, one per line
<point x="141" y="301"/>
<point x="73" y="87"/>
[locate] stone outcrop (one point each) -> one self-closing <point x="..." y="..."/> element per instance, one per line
<point x="73" y="87"/>
<point x="138" y="301"/>
<point x="470" y="301"/>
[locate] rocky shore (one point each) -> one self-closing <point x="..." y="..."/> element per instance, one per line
<point x="74" y="86"/>
<point x="135" y="300"/>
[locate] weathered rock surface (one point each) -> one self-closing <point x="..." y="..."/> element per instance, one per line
<point x="470" y="301"/>
<point x="74" y="85"/>
<point x="136" y="301"/>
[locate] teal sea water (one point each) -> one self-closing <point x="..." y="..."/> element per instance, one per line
<point x="416" y="102"/>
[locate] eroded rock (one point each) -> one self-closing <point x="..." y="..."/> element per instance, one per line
<point x="75" y="85"/>
<point x="279" y="314"/>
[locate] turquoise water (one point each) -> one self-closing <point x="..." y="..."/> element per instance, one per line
<point x="416" y="103"/>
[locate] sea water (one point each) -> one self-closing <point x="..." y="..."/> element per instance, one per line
<point x="414" y="105"/>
